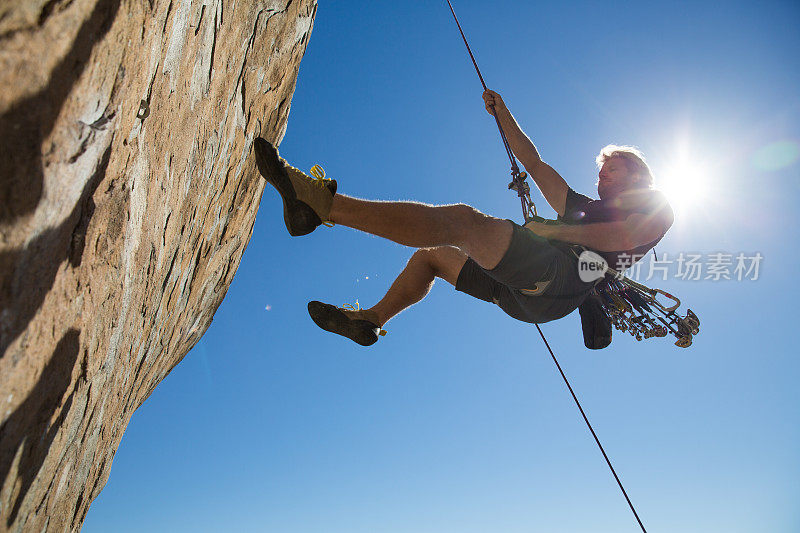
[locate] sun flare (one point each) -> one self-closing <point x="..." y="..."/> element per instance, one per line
<point x="686" y="184"/>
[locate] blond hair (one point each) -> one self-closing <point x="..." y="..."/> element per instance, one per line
<point x="634" y="160"/>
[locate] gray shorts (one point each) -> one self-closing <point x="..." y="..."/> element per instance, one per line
<point x="536" y="280"/>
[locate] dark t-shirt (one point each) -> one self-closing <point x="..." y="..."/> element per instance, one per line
<point x="580" y="209"/>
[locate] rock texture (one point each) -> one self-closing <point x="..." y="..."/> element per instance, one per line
<point x="128" y="193"/>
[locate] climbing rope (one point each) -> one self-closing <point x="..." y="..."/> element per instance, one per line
<point x="518" y="182"/>
<point x="528" y="210"/>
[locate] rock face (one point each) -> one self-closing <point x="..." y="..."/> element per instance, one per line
<point x="128" y="193"/>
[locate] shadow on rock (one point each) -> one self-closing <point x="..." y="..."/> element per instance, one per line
<point x="28" y="274"/>
<point x="28" y="431"/>
<point x="30" y="121"/>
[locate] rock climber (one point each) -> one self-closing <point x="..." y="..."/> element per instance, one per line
<point x="531" y="272"/>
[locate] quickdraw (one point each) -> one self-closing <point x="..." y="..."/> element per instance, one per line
<point x="633" y="307"/>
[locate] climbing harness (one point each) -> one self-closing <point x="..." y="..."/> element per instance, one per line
<point x="630" y="306"/>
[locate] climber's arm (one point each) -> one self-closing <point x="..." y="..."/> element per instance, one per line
<point x="550" y="183"/>
<point x="636" y="230"/>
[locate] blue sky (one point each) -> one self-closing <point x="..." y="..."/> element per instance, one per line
<point x="457" y="420"/>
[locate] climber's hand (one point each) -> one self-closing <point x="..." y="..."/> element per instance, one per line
<point x="494" y="102"/>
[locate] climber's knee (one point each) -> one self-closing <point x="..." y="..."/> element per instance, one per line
<point x="464" y="222"/>
<point x="445" y="262"/>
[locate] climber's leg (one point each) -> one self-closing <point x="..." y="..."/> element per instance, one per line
<point x="364" y="325"/>
<point x="308" y="202"/>
<point x="416" y="280"/>
<point x="483" y="238"/>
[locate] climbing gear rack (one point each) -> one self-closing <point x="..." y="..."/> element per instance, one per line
<point x="634" y="308"/>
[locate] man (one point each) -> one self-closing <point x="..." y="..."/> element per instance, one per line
<point x="530" y="272"/>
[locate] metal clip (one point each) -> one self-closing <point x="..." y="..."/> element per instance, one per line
<point x="669" y="309"/>
<point x="684" y="342"/>
<point x="692" y="321"/>
<point x="516" y="184"/>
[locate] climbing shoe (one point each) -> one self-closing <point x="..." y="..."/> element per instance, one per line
<point x="358" y="325"/>
<point x="306" y="201"/>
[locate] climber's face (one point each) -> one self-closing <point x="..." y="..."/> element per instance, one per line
<point x="614" y="178"/>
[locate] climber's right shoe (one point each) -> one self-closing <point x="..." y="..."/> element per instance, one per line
<point x="306" y="201"/>
<point x="356" y="324"/>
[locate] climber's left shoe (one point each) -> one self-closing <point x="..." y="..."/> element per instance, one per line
<point x="306" y="201"/>
<point x="359" y="325"/>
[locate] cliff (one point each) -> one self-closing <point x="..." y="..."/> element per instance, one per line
<point x="128" y="193"/>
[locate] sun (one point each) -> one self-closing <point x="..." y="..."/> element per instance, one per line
<point x="685" y="184"/>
